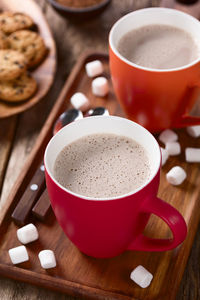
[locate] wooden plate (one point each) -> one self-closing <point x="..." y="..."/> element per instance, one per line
<point x="44" y="73"/>
<point x="89" y="278"/>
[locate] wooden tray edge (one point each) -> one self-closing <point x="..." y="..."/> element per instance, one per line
<point x="71" y="288"/>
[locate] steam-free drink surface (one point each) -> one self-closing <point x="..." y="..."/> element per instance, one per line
<point x="102" y="165"/>
<point x="159" y="46"/>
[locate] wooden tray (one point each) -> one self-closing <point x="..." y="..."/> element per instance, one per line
<point x="44" y="73"/>
<point x="76" y="273"/>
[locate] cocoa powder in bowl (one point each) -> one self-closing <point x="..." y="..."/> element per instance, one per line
<point x="79" y="3"/>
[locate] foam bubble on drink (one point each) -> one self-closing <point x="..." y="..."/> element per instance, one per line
<point x="102" y="165"/>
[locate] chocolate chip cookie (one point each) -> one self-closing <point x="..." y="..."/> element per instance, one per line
<point x="18" y="89"/>
<point x="10" y="22"/>
<point x="30" y="44"/>
<point x="3" y="41"/>
<point x="12" y="64"/>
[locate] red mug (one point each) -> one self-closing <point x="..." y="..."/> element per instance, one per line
<point x="107" y="227"/>
<point x="156" y="99"/>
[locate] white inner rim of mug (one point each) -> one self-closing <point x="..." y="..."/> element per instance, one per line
<point x="102" y="124"/>
<point x="154" y="15"/>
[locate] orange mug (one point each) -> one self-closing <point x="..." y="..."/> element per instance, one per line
<point x="156" y="99"/>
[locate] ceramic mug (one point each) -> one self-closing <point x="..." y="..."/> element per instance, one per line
<point x="156" y="99"/>
<point x="107" y="227"/>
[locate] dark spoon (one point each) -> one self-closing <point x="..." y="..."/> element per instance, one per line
<point x="98" y="111"/>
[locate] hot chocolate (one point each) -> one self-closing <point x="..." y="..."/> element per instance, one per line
<point x="159" y="46"/>
<point x="102" y="165"/>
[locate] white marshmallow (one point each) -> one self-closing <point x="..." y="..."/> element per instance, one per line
<point x="173" y="148"/>
<point x="176" y="175"/>
<point x="94" y="68"/>
<point x="18" y="255"/>
<point x="192" y="154"/>
<point x="141" y="276"/>
<point x="47" y="259"/>
<point x="79" y="101"/>
<point x="165" y="155"/>
<point x="168" y="135"/>
<point x="100" y="86"/>
<point x="27" y="234"/>
<point x="194" y="131"/>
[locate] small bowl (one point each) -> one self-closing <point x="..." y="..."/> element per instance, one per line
<point x="79" y="13"/>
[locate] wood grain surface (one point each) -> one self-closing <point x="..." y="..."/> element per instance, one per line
<point x="19" y="134"/>
<point x="44" y="73"/>
<point x="77" y="274"/>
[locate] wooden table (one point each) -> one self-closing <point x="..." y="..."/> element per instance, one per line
<point x="19" y="133"/>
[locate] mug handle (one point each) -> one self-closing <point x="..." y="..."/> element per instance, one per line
<point x="172" y="218"/>
<point x="186" y="119"/>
